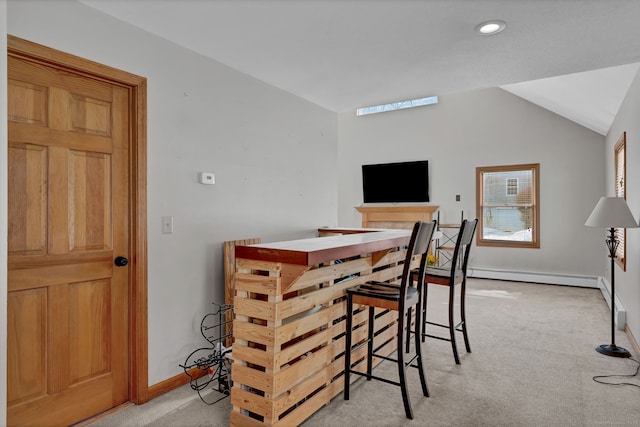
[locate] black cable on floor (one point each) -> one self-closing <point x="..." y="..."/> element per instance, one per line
<point x="597" y="377"/>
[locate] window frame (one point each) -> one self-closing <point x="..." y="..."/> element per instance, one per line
<point x="621" y="191"/>
<point x="535" y="191"/>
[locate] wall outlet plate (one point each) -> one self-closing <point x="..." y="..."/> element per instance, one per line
<point x="207" y="178"/>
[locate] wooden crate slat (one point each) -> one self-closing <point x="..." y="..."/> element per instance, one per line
<point x="390" y="258"/>
<point x="253" y="332"/>
<point x="237" y="419"/>
<point x="292" y="352"/>
<point x="331" y="272"/>
<point x="304" y="302"/>
<point x="252" y="264"/>
<point x="265" y="359"/>
<point x="299" y="327"/>
<point x="254" y="356"/>
<point x="244" y="375"/>
<point x="314" y="382"/>
<point x="246" y="399"/>
<point x="255" y="308"/>
<point x="230" y="263"/>
<point x="284" y="402"/>
<point x="256" y="284"/>
<point x="300" y="391"/>
<point x="392" y="273"/>
<point x="285" y="379"/>
<point x="310" y="406"/>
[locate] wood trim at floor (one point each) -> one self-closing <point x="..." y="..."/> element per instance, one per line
<point x="174" y="382"/>
<point x="634" y="343"/>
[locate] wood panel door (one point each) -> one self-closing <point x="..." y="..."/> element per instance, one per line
<point x="67" y="355"/>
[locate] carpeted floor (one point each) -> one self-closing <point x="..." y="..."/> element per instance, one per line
<point x="532" y="364"/>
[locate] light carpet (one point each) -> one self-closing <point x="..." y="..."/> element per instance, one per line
<point x="532" y="364"/>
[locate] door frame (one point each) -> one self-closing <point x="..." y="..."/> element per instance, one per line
<point x="137" y="87"/>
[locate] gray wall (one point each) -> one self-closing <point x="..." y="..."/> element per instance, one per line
<point x="273" y="155"/>
<point x="627" y="289"/>
<point x="488" y="128"/>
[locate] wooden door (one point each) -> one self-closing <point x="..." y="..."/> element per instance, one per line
<point x="67" y="355"/>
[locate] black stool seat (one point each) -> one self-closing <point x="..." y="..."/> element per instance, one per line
<point x="402" y="298"/>
<point x="382" y="289"/>
<point x="438" y="274"/>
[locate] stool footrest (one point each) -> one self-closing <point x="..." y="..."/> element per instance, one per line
<point x="436" y="337"/>
<point x="365" y="342"/>
<point x="456" y="326"/>
<point x="373" y="377"/>
<point x="390" y="359"/>
<point x="440" y="338"/>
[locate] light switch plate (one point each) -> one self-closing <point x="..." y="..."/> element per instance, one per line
<point x="167" y="224"/>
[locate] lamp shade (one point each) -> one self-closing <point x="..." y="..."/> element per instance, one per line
<point x="611" y="212"/>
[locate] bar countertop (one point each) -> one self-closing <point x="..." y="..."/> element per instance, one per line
<point x="318" y="250"/>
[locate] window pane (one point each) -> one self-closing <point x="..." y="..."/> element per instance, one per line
<point x="620" y="191"/>
<point x="397" y="105"/>
<point x="507" y="216"/>
<point x="507" y="223"/>
<point x="508" y="205"/>
<point x="620" y="178"/>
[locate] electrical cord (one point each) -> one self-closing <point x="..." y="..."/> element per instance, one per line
<point x="597" y="378"/>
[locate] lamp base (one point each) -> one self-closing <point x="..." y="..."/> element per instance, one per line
<point x="613" y="350"/>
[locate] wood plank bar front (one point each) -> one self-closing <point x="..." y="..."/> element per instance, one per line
<point x="289" y="321"/>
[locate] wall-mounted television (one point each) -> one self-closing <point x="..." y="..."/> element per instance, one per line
<point x="396" y="182"/>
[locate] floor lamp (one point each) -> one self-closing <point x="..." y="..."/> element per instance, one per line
<point x="612" y="213"/>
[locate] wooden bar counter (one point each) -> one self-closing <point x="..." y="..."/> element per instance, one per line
<point x="289" y="322"/>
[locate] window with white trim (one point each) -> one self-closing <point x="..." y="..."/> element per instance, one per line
<point x="510" y="217"/>
<point x="621" y="191"/>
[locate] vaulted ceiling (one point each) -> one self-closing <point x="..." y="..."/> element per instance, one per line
<point x="574" y="57"/>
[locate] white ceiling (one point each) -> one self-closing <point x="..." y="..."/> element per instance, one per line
<point x="590" y="98"/>
<point x="345" y="54"/>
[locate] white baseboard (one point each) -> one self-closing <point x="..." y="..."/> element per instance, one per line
<point x="534" y="277"/>
<point x="556" y="279"/>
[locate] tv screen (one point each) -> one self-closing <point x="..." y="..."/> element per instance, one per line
<point x="396" y="182"/>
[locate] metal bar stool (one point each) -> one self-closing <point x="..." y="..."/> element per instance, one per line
<point x="401" y="298"/>
<point x="455" y="274"/>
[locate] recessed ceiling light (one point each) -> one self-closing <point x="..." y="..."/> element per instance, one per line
<point x="490" y="27"/>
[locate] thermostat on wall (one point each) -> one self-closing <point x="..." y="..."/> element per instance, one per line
<point x="207" y="178"/>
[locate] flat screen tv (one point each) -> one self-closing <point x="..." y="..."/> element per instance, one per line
<point x="396" y="182"/>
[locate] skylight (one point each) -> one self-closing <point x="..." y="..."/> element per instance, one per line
<point x="397" y="105"/>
